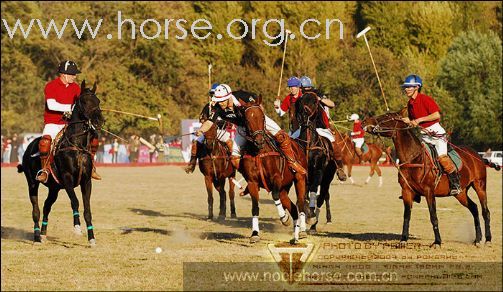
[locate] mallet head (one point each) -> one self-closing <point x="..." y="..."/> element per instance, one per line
<point x="363" y="32"/>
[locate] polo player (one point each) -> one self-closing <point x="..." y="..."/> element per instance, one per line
<point x="357" y="135"/>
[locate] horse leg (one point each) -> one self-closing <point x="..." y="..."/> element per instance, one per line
<point x="208" y="181"/>
<point x="324" y="192"/>
<point x="67" y="181"/>
<point x="51" y="198"/>
<point x="468" y="203"/>
<point x="223" y="198"/>
<point x="35" y="213"/>
<point x="407" y="197"/>
<point x="480" y="189"/>
<point x="350" y="168"/>
<point x="231" y="198"/>
<point x="283" y="215"/>
<point x="86" y="188"/>
<point x="300" y="189"/>
<point x="379" y="173"/>
<point x="254" y="189"/>
<point x="432" y="207"/>
<point x="292" y="209"/>
<point x="371" y="173"/>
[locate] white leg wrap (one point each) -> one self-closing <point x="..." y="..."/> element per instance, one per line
<point x="255" y="223"/>
<point x="312" y="200"/>
<point x="296" y="229"/>
<point x="317" y="212"/>
<point x="281" y="210"/>
<point x="302" y="223"/>
<point x="351" y="179"/>
<point x="380" y="181"/>
<point x="368" y="179"/>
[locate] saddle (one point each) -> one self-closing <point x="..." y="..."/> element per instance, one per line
<point x="453" y="155"/>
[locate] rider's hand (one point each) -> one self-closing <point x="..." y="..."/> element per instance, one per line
<point x="406" y="120"/>
<point x="67" y="115"/>
<point x="414" y="123"/>
<point x="198" y="133"/>
<point x="277" y="104"/>
<point x="352" y="133"/>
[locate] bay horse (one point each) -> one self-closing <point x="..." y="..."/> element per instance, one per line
<point x="320" y="158"/>
<point x="417" y="175"/>
<point x="263" y="166"/>
<point x="72" y="165"/>
<point x="349" y="156"/>
<point x="214" y="164"/>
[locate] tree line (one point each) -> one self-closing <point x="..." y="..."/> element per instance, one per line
<point x="454" y="46"/>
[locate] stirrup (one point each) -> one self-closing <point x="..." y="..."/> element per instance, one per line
<point x="46" y="175"/>
<point x="341" y="174"/>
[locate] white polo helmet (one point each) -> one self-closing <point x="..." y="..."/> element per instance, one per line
<point x="222" y="92"/>
<point x="354" y="117"/>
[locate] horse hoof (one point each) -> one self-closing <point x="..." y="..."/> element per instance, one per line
<point x="435" y="245"/>
<point x="312" y="231"/>
<point x="488" y="244"/>
<point x="221" y="217"/>
<point x="234" y="215"/>
<point x="302" y="234"/>
<point x="329" y="222"/>
<point x="92" y="242"/>
<point x="312" y="220"/>
<point x="210" y="218"/>
<point x="254" y="239"/>
<point x="43" y="238"/>
<point x="37" y="242"/>
<point x="403" y="243"/>
<point x="286" y="220"/>
<point x="478" y="244"/>
<point x="77" y="230"/>
<point x="294" y="241"/>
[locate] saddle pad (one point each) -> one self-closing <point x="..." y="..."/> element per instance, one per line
<point x="450" y="151"/>
<point x="365" y="148"/>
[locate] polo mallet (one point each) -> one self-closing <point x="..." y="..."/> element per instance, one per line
<point x="362" y="33"/>
<point x="209" y="86"/>
<point x="283" y="62"/>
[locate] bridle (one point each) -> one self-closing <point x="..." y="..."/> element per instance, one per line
<point x="378" y="129"/>
<point x="251" y="137"/>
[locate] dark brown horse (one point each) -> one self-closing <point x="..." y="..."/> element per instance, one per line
<point x="264" y="167"/>
<point x="418" y="174"/>
<point x="215" y="165"/>
<point x="349" y="156"/>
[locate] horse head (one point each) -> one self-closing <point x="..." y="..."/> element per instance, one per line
<point x="306" y="108"/>
<point x="254" y="117"/>
<point x="387" y="124"/>
<point x="87" y="108"/>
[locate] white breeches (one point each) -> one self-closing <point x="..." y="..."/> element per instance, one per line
<point x="435" y="135"/>
<point x="322" y="132"/>
<point x="358" y="142"/>
<point x="222" y="135"/>
<point x="52" y="130"/>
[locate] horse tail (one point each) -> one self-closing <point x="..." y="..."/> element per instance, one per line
<point x="20" y="168"/>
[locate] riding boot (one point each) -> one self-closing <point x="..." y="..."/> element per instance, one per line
<point x="44" y="147"/>
<point x="235" y="161"/>
<point x="338" y="162"/>
<point x="229" y="145"/>
<point x="193" y="158"/>
<point x="452" y="174"/>
<point x="285" y="144"/>
<point x="358" y="152"/>
<point x="94" y="148"/>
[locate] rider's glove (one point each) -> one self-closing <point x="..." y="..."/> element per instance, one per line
<point x="67" y="115"/>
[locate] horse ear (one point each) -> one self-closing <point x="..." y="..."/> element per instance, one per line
<point x="259" y="99"/>
<point x="83" y="85"/>
<point x="94" y="87"/>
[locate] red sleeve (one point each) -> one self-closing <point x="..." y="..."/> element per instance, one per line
<point x="48" y="91"/>
<point x="431" y="105"/>
<point x="355" y="127"/>
<point x="285" y="105"/>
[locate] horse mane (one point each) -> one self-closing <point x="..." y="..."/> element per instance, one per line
<point x="242" y="96"/>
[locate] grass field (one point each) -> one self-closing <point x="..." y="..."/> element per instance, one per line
<point x="136" y="209"/>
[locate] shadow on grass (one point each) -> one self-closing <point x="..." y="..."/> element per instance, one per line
<point x="14" y="233"/>
<point x="127" y="230"/>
